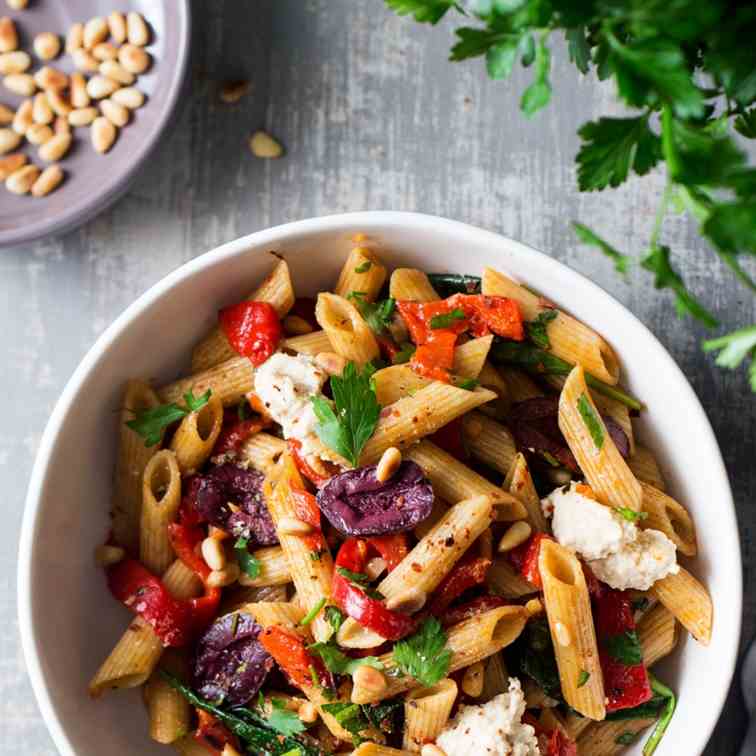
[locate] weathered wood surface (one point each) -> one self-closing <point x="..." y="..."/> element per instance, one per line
<point x="372" y="117"/>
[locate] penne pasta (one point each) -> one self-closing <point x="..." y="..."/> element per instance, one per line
<point x="240" y="595"/>
<point x="229" y="381"/>
<point x="644" y="467"/>
<point x="504" y="581"/>
<point x="689" y="601"/>
<point x="362" y="272"/>
<point x="669" y="516"/>
<point x="346" y="329"/>
<point x="410" y="284"/>
<point x="262" y="451"/>
<point x="376" y="749"/>
<point x="495" y="677"/>
<point x="189" y="746"/>
<point x="426" y="711"/>
<point x="520" y="484"/>
<point x="490" y="378"/>
<point x="489" y="441"/>
<point x="274" y="568"/>
<point x="520" y="386"/>
<point x="269" y="613"/>
<point x="657" y="632"/>
<point x="309" y="343"/>
<point x="169" y="712"/>
<point x="196" y="435"/>
<point x="609" y="738"/>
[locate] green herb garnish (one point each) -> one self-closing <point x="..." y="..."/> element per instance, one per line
<point x="378" y="315"/>
<point x="537" y="329"/>
<point x="736" y="347"/>
<point x="583" y="678"/>
<point x="625" y="647"/>
<point x="350" y="717"/>
<point x="468" y="384"/>
<point x="248" y="563"/>
<point x="660" y="689"/>
<point x="424" y="655"/>
<point x="339" y="663"/>
<point x="591" y="420"/>
<point x="626" y="738"/>
<point x="151" y="423"/>
<point x="334" y="618"/>
<point x="310" y="616"/>
<point x="630" y="514"/>
<point x="404" y="354"/>
<point x="447" y="319"/>
<point x="357" y="578"/>
<point x="364" y="268"/>
<point x="284" y="721"/>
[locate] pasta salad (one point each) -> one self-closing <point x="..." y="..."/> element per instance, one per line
<point x="407" y="516"/>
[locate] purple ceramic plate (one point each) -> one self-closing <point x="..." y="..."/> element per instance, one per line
<point x="94" y="181"/>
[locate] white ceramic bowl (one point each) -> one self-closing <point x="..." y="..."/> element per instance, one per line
<point x="68" y="620"/>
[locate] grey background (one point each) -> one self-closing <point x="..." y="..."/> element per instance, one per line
<point x="372" y="117"/>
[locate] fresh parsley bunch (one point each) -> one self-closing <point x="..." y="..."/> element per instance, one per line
<point x="687" y="69"/>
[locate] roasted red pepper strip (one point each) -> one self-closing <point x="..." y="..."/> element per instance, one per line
<point x="451" y="440"/>
<point x="472" y="609"/>
<point x="561" y="745"/>
<point x="393" y="548"/>
<point x="290" y="653"/>
<point x="212" y="734"/>
<point x="295" y="449"/>
<point x="524" y="558"/>
<point x="252" y="328"/>
<point x="369" y="612"/>
<point x="625" y="685"/>
<point x="467" y="573"/>
<point x="235" y="431"/>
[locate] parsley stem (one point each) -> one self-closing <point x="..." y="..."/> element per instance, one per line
<point x="310" y="616"/>
<point x="664" y="719"/>
<point x="661" y="212"/>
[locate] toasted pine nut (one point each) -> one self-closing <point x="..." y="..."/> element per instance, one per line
<point x="221" y="578"/>
<point x="95" y="31"/>
<point x="296" y="326"/>
<point x="136" y="29"/>
<point x="6" y="115"/>
<point x="39" y="133"/>
<point x="82" y="116"/>
<point x="232" y="91"/>
<point x="293" y="526"/>
<point x="562" y="634"/>
<point x="115" y="71"/>
<point x="48" y="181"/>
<point x="100" y="86"/>
<point x="115" y="113"/>
<point x="61" y="125"/>
<point x="105" y="51"/>
<point x="388" y="464"/>
<point x="134" y="59"/>
<point x="517" y="533"/>
<point x="14" y="62"/>
<point x="472" y="680"/>
<point x="375" y="567"/>
<point x="129" y="97"/>
<point x="307" y="712"/>
<point x="10" y="164"/>
<point x="218" y="533"/>
<point x="59" y="103"/>
<point x="84" y="60"/>
<point x="213" y="554"/>
<point x="263" y="145"/>
<point x="79" y="95"/>
<point x="75" y="38"/>
<point x="408" y="602"/>
<point x="330" y="362"/>
<point x="17" y="4"/>
<point x="117" y="26"/>
<point x="533" y="607"/>
<point x="55" y="148"/>
<point x="9" y="140"/>
<point x="22" y="180"/>
<point x="20" y="84"/>
<point x="24" y="117"/>
<point x="41" y="110"/>
<point x="47" y="45"/>
<point x="430" y="749"/>
<point x="107" y="555"/>
<point x="8" y="35"/>
<point x="369" y="683"/>
<point x="103" y="134"/>
<point x="50" y="78"/>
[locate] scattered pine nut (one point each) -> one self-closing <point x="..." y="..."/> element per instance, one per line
<point x="8" y="35"/>
<point x="104" y="555"/>
<point x="388" y="464"/>
<point x="59" y="103"/>
<point x="50" y="78"/>
<point x="82" y="116"/>
<point x="375" y="567"/>
<point x="39" y="133"/>
<point x="17" y="4"/>
<point x="264" y="146"/>
<point x="61" y="125"/>
<point x="41" y="110"/>
<point x="129" y="97"/>
<point x="75" y="38"/>
<point x="134" y="59"/>
<point x="85" y="61"/>
<point x="9" y="140"/>
<point x="79" y="95"/>
<point x="115" y="113"/>
<point x="95" y="31"/>
<point x="221" y="578"/>
<point x="103" y="134"/>
<point x="516" y="534"/>
<point x="48" y="181"/>
<point x="100" y="86"/>
<point x="15" y="62"/>
<point x="6" y="115"/>
<point x="213" y="554"/>
<point x="293" y="526"/>
<point x="23" y="118"/>
<point x="472" y="680"/>
<point x="112" y="69"/>
<point x="136" y="29"/>
<point x="534" y="607"/>
<point x="117" y="26"/>
<point x="20" y="84"/>
<point x="307" y="712"/>
<point x="232" y="91"/>
<point x="55" y="148"/>
<point x="22" y="180"/>
<point x="47" y="45"/>
<point x="105" y="51"/>
<point x="369" y="684"/>
<point x="10" y="164"/>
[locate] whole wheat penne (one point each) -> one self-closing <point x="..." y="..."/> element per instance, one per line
<point x="262" y="451"/>
<point x="489" y="441"/>
<point x="376" y="749"/>
<point x="196" y="435"/>
<point x="669" y="516"/>
<point x="576" y="724"/>
<point x="645" y="468"/>
<point x="426" y="711"/>
<point x="229" y="381"/>
<point x="309" y="343"/>
<point x="489" y="377"/>
<point x="161" y="497"/>
<point x="347" y="330"/>
<point x="189" y="746"/>
<point x="269" y="613"/>
<point x="362" y="272"/>
<point x="657" y="631"/>
<point x="236" y="597"/>
<point x="609" y="738"/>
<point x="274" y="568"/>
<point x="411" y="285"/>
<point x="495" y="677"/>
<point x="520" y="386"/>
<point x="505" y="581"/>
<point x="169" y="712"/>
<point x="520" y="484"/>
<point x="689" y="601"/>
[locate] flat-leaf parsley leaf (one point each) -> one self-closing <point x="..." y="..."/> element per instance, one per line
<point x="151" y="423"/>
<point x="424" y="655"/>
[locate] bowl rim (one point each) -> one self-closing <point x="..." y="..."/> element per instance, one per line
<point x="365" y="221"/>
<point x="80" y="213"/>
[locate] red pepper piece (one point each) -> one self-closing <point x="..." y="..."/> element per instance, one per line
<point x="393" y="548"/>
<point x="235" y="432"/>
<point x="451" y="440"/>
<point x="524" y="558"/>
<point x="625" y="685"/>
<point x="499" y="315"/>
<point x="561" y="745"/>
<point x="305" y="507"/>
<point x="295" y="449"/>
<point x="467" y="573"/>
<point x="252" y="328"/>
<point x="369" y="612"/>
<point x="212" y="734"/>
<point x="290" y="653"/>
<point x="472" y="609"/>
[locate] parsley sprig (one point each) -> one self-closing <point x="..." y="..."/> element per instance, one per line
<point x="424" y="655"/>
<point x="151" y="423"/>
<point x="688" y="80"/>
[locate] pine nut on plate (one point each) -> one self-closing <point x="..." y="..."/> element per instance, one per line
<point x="39" y="133"/>
<point x="11" y="163"/>
<point x="8" y="35"/>
<point x="6" y="115"/>
<point x="129" y="97"/>
<point x="15" y="62"/>
<point x="20" y="84"/>
<point x="9" y="140"/>
<point x="56" y="148"/>
<point x="47" y="45"/>
<point x="115" y="113"/>
<point x="117" y="26"/>
<point x="22" y="180"/>
<point x="103" y="134"/>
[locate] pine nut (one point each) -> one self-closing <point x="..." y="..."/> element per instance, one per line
<point x="264" y="146"/>
<point x="9" y="140"/>
<point x="85" y="61"/>
<point x="516" y="534"/>
<point x="408" y="602"/>
<point x="8" y="35"/>
<point x="58" y="103"/>
<point x="82" y="116"/>
<point x="56" y="148"/>
<point x="117" y="26"/>
<point x="369" y="683"/>
<point x="50" y="78"/>
<point x="388" y="464"/>
<point x="79" y="95"/>
<point x="221" y="578"/>
<point x="330" y="362"/>
<point x="562" y="634"/>
<point x="134" y="59"/>
<point x="115" y="113"/>
<point x="41" y="110"/>
<point x="6" y="115"/>
<point x="17" y="4"/>
<point x="307" y="712"/>
<point x="213" y="554"/>
<point x="136" y="29"/>
<point x="472" y="680"/>
<point x="47" y="45"/>
<point x="293" y="526"/>
<point x="232" y="91"/>
<point x="22" y="180"/>
<point x="39" y="133"/>
<point x="105" y="51"/>
<point x="99" y="87"/>
<point x="375" y="567"/>
<point x="534" y="607"/>
<point x="296" y="326"/>
<point x="23" y="118"/>
<point x="95" y="31"/>
<point x="430" y="749"/>
<point x="103" y="134"/>
<point x="14" y="62"/>
<point x="10" y="164"/>
<point x="129" y="97"/>
<point x="20" y="84"/>
<point x="218" y="533"/>
<point x="61" y="125"/>
<point x="75" y="38"/>
<point x="48" y="181"/>
<point x="115" y="71"/>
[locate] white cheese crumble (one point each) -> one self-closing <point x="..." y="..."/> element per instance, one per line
<point x="494" y="728"/>
<point x="284" y="384"/>
<point x="616" y="550"/>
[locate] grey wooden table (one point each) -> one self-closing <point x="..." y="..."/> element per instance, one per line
<point x="372" y="117"/>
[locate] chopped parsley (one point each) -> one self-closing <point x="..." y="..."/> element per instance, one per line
<point x="334" y="618"/>
<point x="468" y="384"/>
<point x="150" y="423"/>
<point x="537" y="329"/>
<point x="447" y="319"/>
<point x="350" y="717"/>
<point x="583" y="677"/>
<point x="316" y="555"/>
<point x="339" y="663"/>
<point x="424" y="655"/>
<point x="357" y="578"/>
<point x="284" y="721"/>
<point x="630" y="514"/>
<point x="243" y="411"/>
<point x="626" y="738"/>
<point x="364" y="268"/>
<point x="625" y="647"/>
<point x="641" y="604"/>
<point x="248" y="563"/>
<point x="404" y="354"/>
<point x="591" y="420"/>
<point x="378" y="315"/>
<point x="310" y="616"/>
